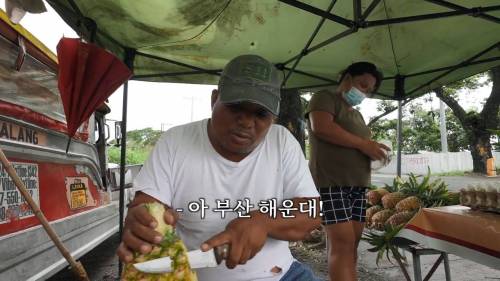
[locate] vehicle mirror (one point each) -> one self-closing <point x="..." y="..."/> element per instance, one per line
<point x="118" y="132"/>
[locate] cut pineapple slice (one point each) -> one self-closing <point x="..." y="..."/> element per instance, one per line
<point x="171" y="246"/>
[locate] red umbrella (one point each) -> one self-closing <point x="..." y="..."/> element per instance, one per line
<point x="88" y="75"/>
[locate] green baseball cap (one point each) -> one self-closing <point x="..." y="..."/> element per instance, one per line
<point x="253" y="79"/>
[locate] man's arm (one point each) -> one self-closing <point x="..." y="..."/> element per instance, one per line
<point x="292" y="229"/>
<point x="246" y="236"/>
<point x="325" y="128"/>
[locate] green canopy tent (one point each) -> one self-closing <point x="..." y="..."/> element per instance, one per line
<point x="419" y="45"/>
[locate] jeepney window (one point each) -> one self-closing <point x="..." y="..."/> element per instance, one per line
<point x="34" y="86"/>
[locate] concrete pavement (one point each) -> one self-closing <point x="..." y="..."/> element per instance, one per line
<point x="461" y="269"/>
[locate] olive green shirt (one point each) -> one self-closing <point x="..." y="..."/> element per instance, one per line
<point x="331" y="164"/>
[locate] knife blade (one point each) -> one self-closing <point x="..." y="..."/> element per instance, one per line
<point x="196" y="258"/>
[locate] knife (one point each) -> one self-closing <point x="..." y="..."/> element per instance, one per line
<point x="197" y="259"/>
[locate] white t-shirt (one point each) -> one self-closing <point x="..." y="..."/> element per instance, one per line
<point x="184" y="168"/>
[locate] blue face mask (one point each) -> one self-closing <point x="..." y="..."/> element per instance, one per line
<point x="354" y="96"/>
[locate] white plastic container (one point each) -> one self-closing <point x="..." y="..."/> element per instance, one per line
<point x="378" y="164"/>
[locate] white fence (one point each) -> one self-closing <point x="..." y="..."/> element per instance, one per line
<point x="437" y="162"/>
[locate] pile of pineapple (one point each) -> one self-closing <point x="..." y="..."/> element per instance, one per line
<point x="390" y="208"/>
<point x="393" y="206"/>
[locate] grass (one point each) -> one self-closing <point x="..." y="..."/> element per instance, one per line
<point x="452" y="173"/>
<point x="308" y="149"/>
<point x="134" y="155"/>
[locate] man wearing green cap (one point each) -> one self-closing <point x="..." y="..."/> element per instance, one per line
<point x="246" y="176"/>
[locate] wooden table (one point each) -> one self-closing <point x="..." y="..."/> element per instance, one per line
<point x="458" y="230"/>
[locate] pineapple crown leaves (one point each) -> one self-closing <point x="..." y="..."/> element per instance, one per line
<point x="397" y="183"/>
<point x="382" y="242"/>
<point x="431" y="193"/>
<point x="169" y="239"/>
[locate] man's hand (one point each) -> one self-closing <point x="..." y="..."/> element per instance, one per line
<point x="375" y="150"/>
<point x="245" y="237"/>
<point x="139" y="234"/>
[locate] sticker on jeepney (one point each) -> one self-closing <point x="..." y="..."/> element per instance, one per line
<point x="13" y="205"/>
<point x="78" y="193"/>
<point x="18" y="133"/>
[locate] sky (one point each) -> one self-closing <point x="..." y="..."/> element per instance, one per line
<point x="163" y="105"/>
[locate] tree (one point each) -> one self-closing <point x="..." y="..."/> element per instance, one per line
<point x="479" y="127"/>
<point x="139" y="145"/>
<point x="421" y="130"/>
<point x="457" y="138"/>
<point x="143" y="137"/>
<point x="291" y="114"/>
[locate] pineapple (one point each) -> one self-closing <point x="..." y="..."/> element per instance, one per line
<point x="171" y="246"/>
<point x="400" y="218"/>
<point x="372" y="211"/>
<point x="411" y="203"/>
<point x="378" y="220"/>
<point x="373" y="197"/>
<point x="381" y="191"/>
<point x="390" y="200"/>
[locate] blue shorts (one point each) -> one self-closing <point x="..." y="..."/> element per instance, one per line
<point x="299" y="272"/>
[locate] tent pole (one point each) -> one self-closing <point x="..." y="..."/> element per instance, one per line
<point x="122" y="162"/>
<point x="464" y="12"/>
<point x="400" y="136"/>
<point x="319" y="12"/>
<point x="461" y="8"/>
<point x="208" y="71"/>
<point x="323" y="44"/>
<point x="467" y="61"/>
<point x="370" y="9"/>
<point x="129" y="61"/>
<point x="399" y="85"/>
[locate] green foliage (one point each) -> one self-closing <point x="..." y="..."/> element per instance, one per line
<point x="431" y="193"/>
<point x="457" y="136"/>
<point x="382" y="243"/>
<point x="143" y="137"/>
<point x="421" y="131"/>
<point x="307" y="149"/>
<point x="397" y="183"/>
<point x="386" y="106"/>
<point x="134" y="155"/>
<point x="139" y="145"/>
<point x="385" y="129"/>
<point x="470" y="83"/>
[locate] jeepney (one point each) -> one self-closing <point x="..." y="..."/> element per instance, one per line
<point x="71" y="187"/>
